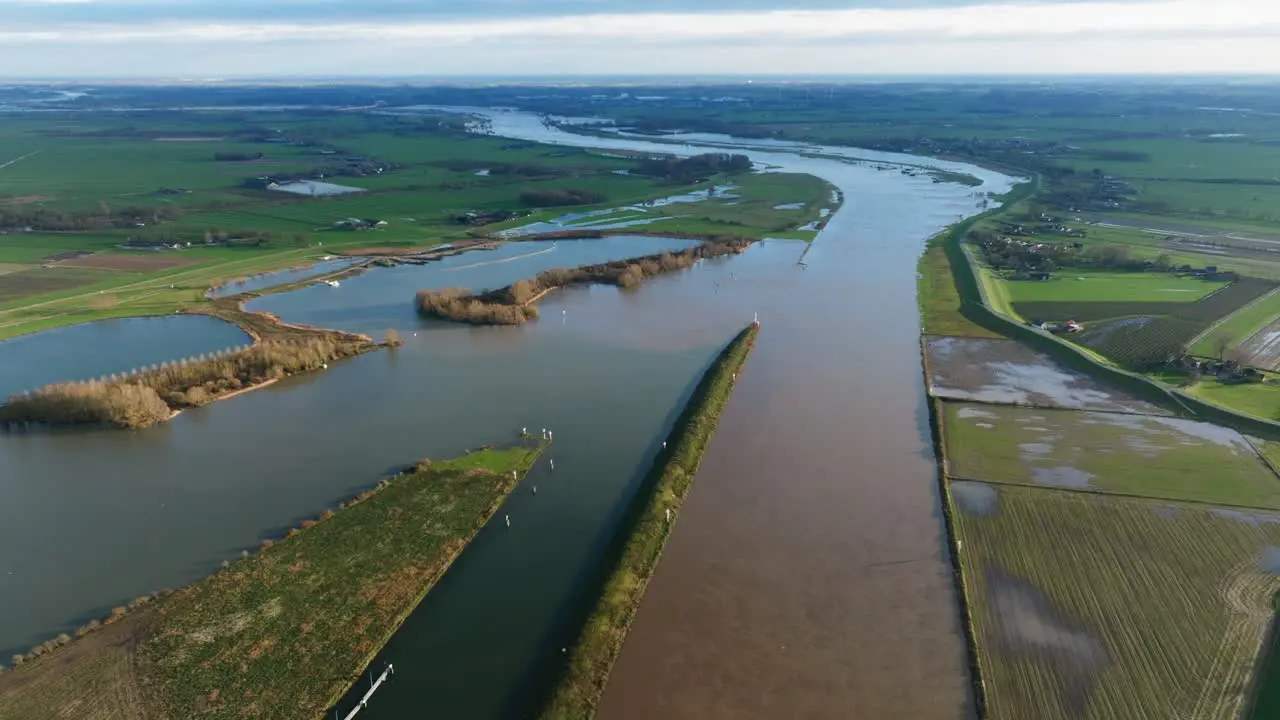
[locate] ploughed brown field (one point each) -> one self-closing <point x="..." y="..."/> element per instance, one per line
<point x="37" y="281"/>
<point x="128" y="262"/>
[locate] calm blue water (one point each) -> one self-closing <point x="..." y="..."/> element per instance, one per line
<point x="281" y="277"/>
<point x="383" y="297"/>
<point x="84" y="352"/>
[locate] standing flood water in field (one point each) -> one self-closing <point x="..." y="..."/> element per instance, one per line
<point x="810" y="546"/>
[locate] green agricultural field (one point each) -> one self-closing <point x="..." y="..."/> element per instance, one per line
<point x="1146" y="335"/>
<point x="1252" y="399"/>
<point x="283" y="632"/>
<point x="1160" y="457"/>
<point x="1079" y="285"/>
<point x="940" y="300"/>
<point x="1103" y="608"/>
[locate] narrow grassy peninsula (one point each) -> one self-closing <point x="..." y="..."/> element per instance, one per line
<point x="514" y="304"/>
<point x="284" y="632"/>
<point x="582" y="683"/>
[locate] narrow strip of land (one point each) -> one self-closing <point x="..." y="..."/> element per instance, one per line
<point x="775" y="597"/>
<point x="284" y="632"/>
<point x="604" y="631"/>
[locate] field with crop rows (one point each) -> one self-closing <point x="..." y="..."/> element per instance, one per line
<point x="1142" y="344"/>
<point x="1107" y="608"/>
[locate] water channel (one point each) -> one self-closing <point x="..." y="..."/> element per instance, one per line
<point x="833" y="395"/>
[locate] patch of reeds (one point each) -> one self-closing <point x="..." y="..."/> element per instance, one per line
<point x="513" y="305"/>
<point x="151" y="395"/>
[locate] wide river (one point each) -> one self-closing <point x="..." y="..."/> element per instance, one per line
<point x="807" y="576"/>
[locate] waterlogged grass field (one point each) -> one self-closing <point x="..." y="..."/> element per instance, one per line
<point x="1160" y="457"/>
<point x="1072" y="622"/>
<point x="283" y="632"/>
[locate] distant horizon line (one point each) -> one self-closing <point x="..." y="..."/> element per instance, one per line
<point x="604" y="78"/>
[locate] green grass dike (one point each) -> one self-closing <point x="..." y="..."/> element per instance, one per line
<point x="642" y="538"/>
<point x="282" y="633"/>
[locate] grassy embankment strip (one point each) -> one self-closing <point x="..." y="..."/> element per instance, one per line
<point x="939" y="299"/>
<point x="284" y="632"/>
<point x="582" y="683"/>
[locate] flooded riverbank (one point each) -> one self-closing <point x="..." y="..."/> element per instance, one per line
<point x="812" y="525"/>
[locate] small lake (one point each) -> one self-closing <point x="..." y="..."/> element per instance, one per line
<point x="383" y="297"/>
<point x="314" y="188"/>
<point x="91" y="350"/>
<point x="281" y="277"/>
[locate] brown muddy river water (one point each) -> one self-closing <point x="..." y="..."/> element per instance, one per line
<point x="807" y="576"/>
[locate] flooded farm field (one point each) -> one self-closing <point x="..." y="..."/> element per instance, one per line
<point x="1068" y="628"/>
<point x="1007" y="372"/>
<point x="1152" y="456"/>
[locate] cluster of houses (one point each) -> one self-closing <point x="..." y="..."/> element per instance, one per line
<point x="360" y="224"/>
<point x="1226" y="371"/>
<point x="1058" y="328"/>
<point x="474" y="217"/>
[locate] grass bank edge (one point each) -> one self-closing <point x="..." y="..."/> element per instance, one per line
<point x="506" y="466"/>
<point x="581" y="683"/>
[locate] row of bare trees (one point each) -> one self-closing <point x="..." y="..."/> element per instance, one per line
<point x="151" y="395"/>
<point x="512" y="305"/>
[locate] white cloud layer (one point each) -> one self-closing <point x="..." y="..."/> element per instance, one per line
<point x="1225" y="35"/>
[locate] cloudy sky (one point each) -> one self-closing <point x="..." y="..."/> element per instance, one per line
<point x="260" y="38"/>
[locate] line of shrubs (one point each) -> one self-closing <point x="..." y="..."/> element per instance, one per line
<point x="144" y="398"/>
<point x="116" y="615"/>
<point x="512" y="305"/>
